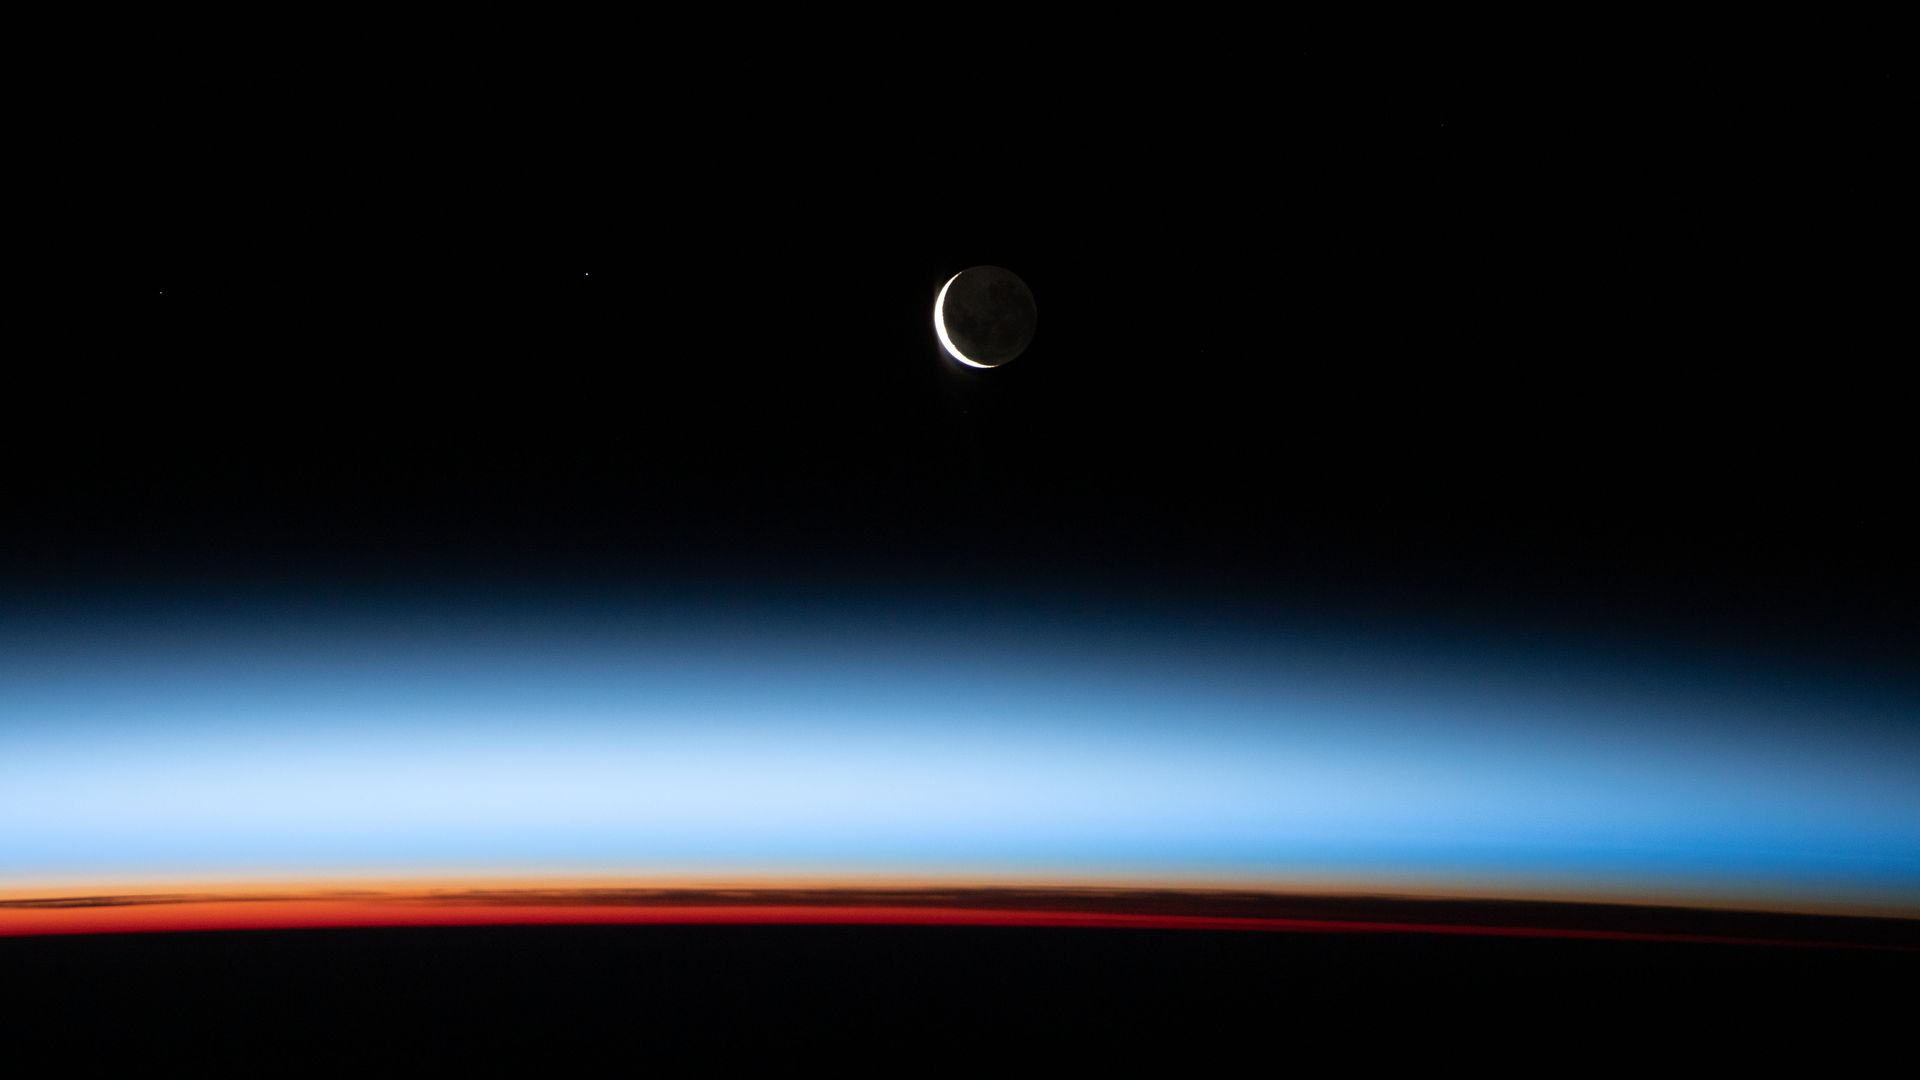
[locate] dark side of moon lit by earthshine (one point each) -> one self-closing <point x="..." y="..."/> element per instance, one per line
<point x="984" y="316"/>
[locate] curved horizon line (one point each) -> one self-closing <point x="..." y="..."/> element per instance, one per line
<point x="1063" y="908"/>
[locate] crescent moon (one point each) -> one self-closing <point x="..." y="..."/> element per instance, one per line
<point x="940" y="324"/>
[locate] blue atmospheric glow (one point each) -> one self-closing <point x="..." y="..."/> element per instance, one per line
<point x="850" y="739"/>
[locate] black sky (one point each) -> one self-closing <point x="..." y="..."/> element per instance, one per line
<point x="1600" y="346"/>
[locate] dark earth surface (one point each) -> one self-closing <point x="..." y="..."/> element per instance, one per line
<point x="917" y="999"/>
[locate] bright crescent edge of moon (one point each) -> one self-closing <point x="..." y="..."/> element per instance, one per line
<point x="940" y="325"/>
